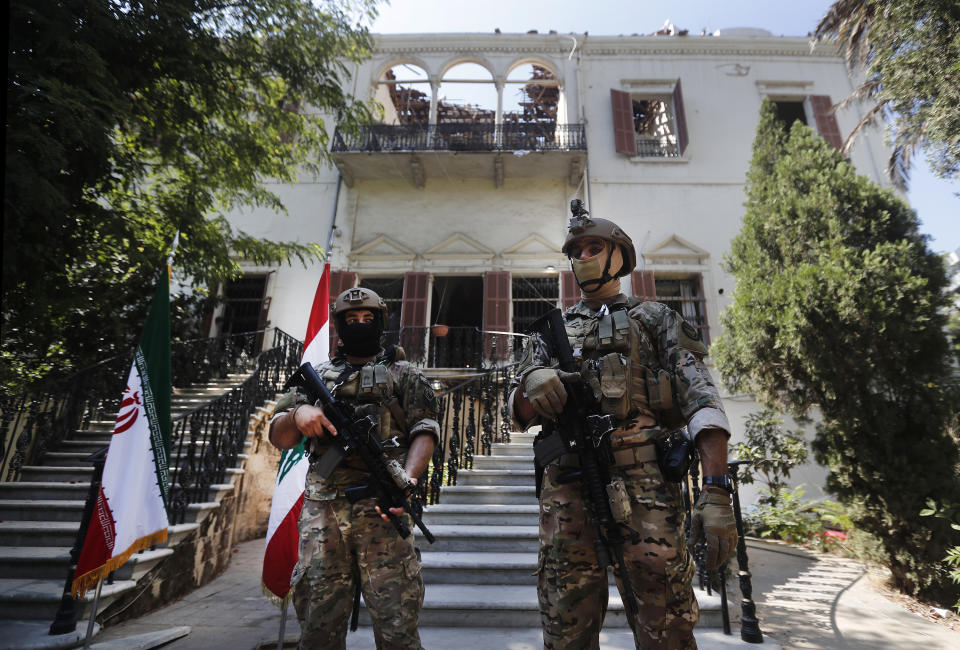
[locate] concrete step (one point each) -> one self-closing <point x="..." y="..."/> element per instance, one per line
<point x="512" y="449"/>
<point x="37" y="490"/>
<point x="39" y="533"/>
<point x="494" y="494"/>
<point x="520" y="514"/>
<point x="33" y="599"/>
<point x="516" y="606"/>
<point x="496" y="477"/>
<point x="52" y="562"/>
<point x="482" y="539"/>
<point x="53" y="473"/>
<point x="41" y="509"/>
<point x="499" y="462"/>
<point x="444" y="568"/>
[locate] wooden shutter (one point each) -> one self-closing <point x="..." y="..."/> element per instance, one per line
<point x="826" y="120"/>
<point x="644" y="286"/>
<point x="624" y="135"/>
<point x="681" y="116"/>
<point x="496" y="313"/>
<point x="413" y="314"/>
<point x="569" y="291"/>
<point x="340" y="281"/>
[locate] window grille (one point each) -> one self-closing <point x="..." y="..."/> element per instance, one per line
<point x="391" y="290"/>
<point x="532" y="298"/>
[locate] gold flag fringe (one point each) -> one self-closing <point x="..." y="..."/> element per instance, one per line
<point x="89" y="579"/>
<point x="273" y="598"/>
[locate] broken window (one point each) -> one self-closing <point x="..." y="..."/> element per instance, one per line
<point x="404" y="92"/>
<point x="531" y="95"/>
<point x="789" y="111"/>
<point x="649" y="125"/>
<point x="681" y="292"/>
<point x="467" y="95"/>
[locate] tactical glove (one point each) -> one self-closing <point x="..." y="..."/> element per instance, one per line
<point x="714" y="524"/>
<point x="545" y="391"/>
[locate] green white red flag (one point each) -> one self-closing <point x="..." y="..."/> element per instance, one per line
<point x="130" y="513"/>
<point x="283" y="537"/>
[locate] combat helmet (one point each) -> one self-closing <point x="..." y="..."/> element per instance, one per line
<point x="582" y="225"/>
<point x="360" y="298"/>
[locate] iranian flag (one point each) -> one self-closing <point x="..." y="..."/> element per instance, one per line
<point x="130" y="514"/>
<point x="283" y="537"/>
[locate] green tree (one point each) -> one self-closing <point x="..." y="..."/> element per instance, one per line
<point x="771" y="451"/>
<point x="129" y="121"/>
<point x="838" y="305"/>
<point x="910" y="53"/>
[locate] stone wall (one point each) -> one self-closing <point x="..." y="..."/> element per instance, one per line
<point x="258" y="479"/>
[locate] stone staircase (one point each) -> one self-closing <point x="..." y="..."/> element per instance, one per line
<point x="481" y="572"/>
<point x="40" y="518"/>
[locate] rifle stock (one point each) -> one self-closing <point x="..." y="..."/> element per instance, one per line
<point x="359" y="436"/>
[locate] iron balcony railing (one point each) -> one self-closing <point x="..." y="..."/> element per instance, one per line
<point x="444" y="346"/>
<point x="463" y="137"/>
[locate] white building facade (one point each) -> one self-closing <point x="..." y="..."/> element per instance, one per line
<point x="455" y="207"/>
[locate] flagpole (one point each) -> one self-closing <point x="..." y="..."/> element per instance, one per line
<point x="93" y="614"/>
<point x="283" y="624"/>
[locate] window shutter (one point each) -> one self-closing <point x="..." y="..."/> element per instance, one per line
<point x="340" y="281"/>
<point x="623" y="133"/>
<point x="413" y="313"/>
<point x="682" y="138"/>
<point x="496" y="312"/>
<point x="826" y="120"/>
<point x="570" y="291"/>
<point x="644" y="286"/>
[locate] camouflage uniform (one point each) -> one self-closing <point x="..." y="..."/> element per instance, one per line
<point x="342" y="542"/>
<point x="644" y="364"/>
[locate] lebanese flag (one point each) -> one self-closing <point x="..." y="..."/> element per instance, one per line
<point x="131" y="510"/>
<point x="283" y="536"/>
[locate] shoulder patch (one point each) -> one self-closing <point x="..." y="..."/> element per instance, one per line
<point x="691" y="338"/>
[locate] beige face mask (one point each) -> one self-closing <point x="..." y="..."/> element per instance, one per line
<point x="589" y="272"/>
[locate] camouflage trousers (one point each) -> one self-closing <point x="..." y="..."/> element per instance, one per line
<point x="573" y="590"/>
<point x="338" y="542"/>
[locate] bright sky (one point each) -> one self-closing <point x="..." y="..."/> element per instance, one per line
<point x="935" y="199"/>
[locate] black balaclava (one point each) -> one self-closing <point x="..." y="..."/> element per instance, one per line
<point x="360" y="339"/>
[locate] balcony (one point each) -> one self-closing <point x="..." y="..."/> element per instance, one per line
<point x="496" y="151"/>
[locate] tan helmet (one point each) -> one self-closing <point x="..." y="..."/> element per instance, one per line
<point x="360" y="298"/>
<point x="582" y="225"/>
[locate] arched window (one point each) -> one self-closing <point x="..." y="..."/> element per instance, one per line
<point x="467" y="95"/>
<point x="404" y="92"/>
<point x="531" y="95"/>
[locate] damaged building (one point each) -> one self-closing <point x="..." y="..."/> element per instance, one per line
<point x="454" y="205"/>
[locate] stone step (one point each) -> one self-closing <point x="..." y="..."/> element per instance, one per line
<point x="76" y="490"/>
<point x="75" y="459"/>
<point x="496" y="477"/>
<point x="52" y="562"/>
<point x="39" y="533"/>
<point x="505" y="606"/>
<point x="41" y="509"/>
<point x="493" y="494"/>
<point x="499" y="462"/>
<point x="482" y="539"/>
<point x="520" y="514"/>
<point x="44" y="473"/>
<point x="33" y="599"/>
<point x="512" y="449"/>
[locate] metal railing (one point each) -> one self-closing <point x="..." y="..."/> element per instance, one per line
<point x="208" y="439"/>
<point x="36" y="422"/>
<point x="657" y="148"/>
<point x="444" y="346"/>
<point x="463" y="137"/>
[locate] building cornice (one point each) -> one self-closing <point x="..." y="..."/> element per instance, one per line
<point x="561" y="44"/>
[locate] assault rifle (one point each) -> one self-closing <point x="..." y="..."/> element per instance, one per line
<point x="582" y="431"/>
<point x="389" y="484"/>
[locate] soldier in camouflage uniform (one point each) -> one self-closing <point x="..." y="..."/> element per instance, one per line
<point x="343" y="545"/>
<point x="644" y="364"/>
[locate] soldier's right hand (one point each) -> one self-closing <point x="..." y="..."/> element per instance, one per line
<point x="545" y="390"/>
<point x="312" y="422"/>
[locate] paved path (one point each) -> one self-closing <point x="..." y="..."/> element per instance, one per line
<point x="804" y="601"/>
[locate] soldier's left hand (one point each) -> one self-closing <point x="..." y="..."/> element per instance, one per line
<point x="713" y="523"/>
<point x="395" y="511"/>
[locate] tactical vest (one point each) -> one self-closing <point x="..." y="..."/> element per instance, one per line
<point x="617" y="359"/>
<point x="372" y="390"/>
